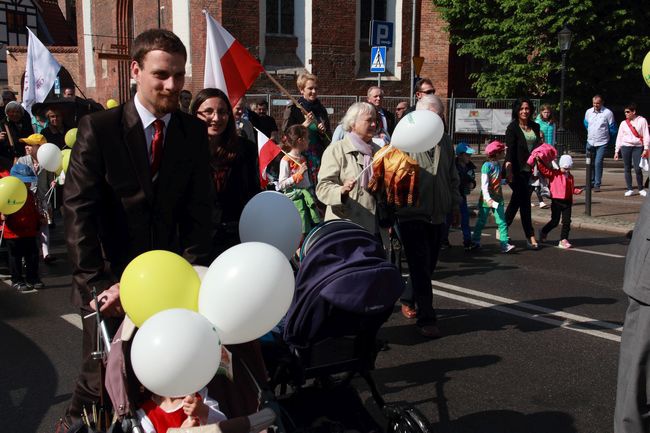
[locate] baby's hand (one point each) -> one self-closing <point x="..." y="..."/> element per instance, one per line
<point x="190" y="421"/>
<point x="195" y="408"/>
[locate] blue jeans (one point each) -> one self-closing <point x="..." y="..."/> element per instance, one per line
<point x="597" y="154"/>
<point x="631" y="158"/>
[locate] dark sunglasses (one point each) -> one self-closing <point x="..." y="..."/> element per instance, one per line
<point x="429" y="92"/>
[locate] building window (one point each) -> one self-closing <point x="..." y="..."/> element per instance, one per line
<point x="369" y="10"/>
<point x="16" y="22"/>
<point x="279" y="17"/>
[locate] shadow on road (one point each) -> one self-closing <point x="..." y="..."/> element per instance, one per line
<point x="506" y="421"/>
<point x="27" y="384"/>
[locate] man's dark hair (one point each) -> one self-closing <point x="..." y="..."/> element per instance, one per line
<point x="156" y="39"/>
<point x="631" y="106"/>
<point x="421" y="82"/>
<point x="263" y="102"/>
<point x="186" y="92"/>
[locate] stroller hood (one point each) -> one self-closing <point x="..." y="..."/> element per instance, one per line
<point x="344" y="268"/>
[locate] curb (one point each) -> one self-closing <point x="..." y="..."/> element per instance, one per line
<point x="619" y="230"/>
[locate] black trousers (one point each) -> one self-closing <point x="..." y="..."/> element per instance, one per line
<point x="560" y="208"/>
<point x="18" y="249"/>
<point x="421" y="242"/>
<point x="520" y="201"/>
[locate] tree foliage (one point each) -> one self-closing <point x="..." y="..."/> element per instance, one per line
<point x="515" y="46"/>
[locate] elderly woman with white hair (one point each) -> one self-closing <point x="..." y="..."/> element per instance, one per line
<point x="15" y="126"/>
<point x="346" y="169"/>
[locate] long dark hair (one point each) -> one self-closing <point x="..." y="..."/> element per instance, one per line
<point x="229" y="135"/>
<point x="516" y="106"/>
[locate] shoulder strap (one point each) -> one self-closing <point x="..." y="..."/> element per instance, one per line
<point x="634" y="131"/>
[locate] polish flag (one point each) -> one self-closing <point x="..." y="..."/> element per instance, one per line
<point x="267" y="150"/>
<point x="228" y="64"/>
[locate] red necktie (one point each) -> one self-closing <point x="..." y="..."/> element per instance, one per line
<point x="157" y="146"/>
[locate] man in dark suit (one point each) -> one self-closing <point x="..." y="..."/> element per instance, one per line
<point x="138" y="180"/>
<point x="632" y="400"/>
<point x="385" y="119"/>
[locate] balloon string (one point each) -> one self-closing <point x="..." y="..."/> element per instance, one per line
<point x="378" y="155"/>
<point x="50" y="192"/>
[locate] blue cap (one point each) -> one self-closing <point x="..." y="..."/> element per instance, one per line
<point x="464" y="148"/>
<point x="23" y="172"/>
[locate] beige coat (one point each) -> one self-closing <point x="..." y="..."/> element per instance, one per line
<point x="342" y="161"/>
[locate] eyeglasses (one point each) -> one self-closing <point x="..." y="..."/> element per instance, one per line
<point x="428" y="92"/>
<point x="210" y="112"/>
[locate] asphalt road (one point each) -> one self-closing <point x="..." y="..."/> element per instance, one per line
<point x="531" y="342"/>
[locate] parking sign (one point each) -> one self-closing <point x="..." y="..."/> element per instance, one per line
<point x="381" y="33"/>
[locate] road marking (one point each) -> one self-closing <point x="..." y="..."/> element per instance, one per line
<point x="616" y="256"/>
<point x="73" y="319"/>
<point x="572" y="321"/>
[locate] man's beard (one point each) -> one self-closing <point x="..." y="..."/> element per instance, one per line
<point x="167" y="103"/>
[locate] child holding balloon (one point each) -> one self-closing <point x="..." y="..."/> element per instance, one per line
<point x="294" y="179"/>
<point x="20" y="229"/>
<point x="158" y="414"/>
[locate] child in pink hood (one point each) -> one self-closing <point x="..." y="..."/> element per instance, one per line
<point x="562" y="186"/>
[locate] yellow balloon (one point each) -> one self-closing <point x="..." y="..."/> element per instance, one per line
<point x="155" y="281"/>
<point x="112" y="103"/>
<point x="71" y="137"/>
<point x="65" y="161"/>
<point x="13" y="194"/>
<point x="645" y="69"/>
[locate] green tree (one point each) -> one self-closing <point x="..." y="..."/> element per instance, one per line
<point x="514" y="42"/>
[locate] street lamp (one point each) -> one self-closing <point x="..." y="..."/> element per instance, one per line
<point x="564" y="41"/>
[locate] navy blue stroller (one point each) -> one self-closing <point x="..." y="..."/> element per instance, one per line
<point x="345" y="291"/>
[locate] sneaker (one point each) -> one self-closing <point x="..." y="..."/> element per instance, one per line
<point x="596" y="189"/>
<point x="643" y="192"/>
<point x="38" y="284"/>
<point x="629" y="193"/>
<point x="564" y="244"/>
<point x="472" y="246"/>
<point x="18" y="285"/>
<point x="541" y="236"/>
<point x="409" y="312"/>
<point x="543" y="205"/>
<point x="506" y="248"/>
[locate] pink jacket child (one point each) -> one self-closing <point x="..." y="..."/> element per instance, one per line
<point x="562" y="186"/>
<point x="561" y="182"/>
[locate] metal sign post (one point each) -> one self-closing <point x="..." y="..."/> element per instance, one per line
<point x="588" y="155"/>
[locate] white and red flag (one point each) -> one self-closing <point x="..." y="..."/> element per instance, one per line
<point x="228" y="64"/>
<point x="41" y="70"/>
<point x="267" y="150"/>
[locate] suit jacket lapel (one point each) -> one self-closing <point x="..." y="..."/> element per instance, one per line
<point x="136" y="143"/>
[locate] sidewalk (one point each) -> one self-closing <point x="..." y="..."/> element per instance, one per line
<point x="611" y="211"/>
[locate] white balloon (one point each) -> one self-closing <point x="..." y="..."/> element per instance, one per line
<point x="176" y="352"/>
<point x="246" y="291"/>
<point x="272" y="218"/>
<point x="418" y="131"/>
<point x="200" y="270"/>
<point x="50" y="157"/>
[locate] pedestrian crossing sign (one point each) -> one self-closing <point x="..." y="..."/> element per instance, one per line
<point x="378" y="59"/>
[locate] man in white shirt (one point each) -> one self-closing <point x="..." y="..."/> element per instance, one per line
<point x="601" y="128"/>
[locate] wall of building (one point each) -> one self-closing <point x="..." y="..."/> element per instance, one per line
<point x="17" y="59"/>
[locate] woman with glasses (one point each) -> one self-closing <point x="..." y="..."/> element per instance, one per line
<point x="233" y="162"/>
<point x="632" y="143"/>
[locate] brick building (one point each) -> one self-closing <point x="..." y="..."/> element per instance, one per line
<point x="326" y="37"/>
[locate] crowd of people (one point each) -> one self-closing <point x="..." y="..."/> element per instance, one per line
<point x="171" y="171"/>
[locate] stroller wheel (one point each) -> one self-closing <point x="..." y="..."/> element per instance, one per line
<point x="404" y="418"/>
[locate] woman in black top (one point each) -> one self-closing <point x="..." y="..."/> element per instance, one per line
<point x="233" y="160"/>
<point x="317" y="121"/>
<point x="522" y="136"/>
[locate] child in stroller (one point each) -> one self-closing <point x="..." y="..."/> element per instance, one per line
<point x="345" y="291"/>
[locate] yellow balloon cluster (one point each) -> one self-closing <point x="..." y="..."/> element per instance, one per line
<point x="112" y="103"/>
<point x="13" y="194"/>
<point x="155" y="281"/>
<point x="645" y="69"/>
